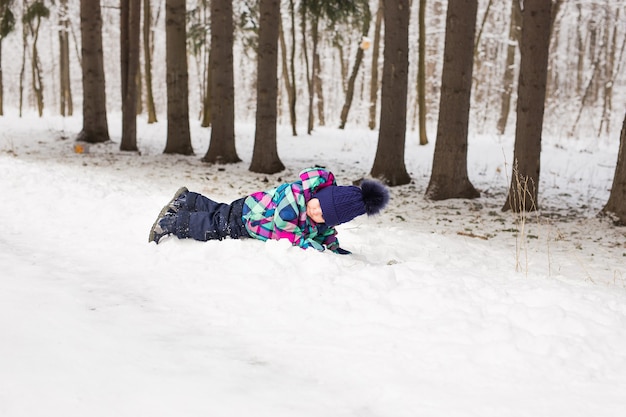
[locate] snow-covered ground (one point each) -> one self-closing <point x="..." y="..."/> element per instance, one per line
<point x="448" y="308"/>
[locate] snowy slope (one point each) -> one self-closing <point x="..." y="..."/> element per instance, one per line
<point x="445" y="309"/>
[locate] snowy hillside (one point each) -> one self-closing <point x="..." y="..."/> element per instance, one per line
<point x="446" y="308"/>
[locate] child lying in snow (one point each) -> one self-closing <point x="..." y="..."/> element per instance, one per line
<point x="305" y="212"/>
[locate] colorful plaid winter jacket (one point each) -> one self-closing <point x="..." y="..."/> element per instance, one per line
<point x="280" y="213"/>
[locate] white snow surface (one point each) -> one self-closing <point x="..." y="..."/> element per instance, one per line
<point x="448" y="308"/>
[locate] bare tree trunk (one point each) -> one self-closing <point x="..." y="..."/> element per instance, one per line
<point x="374" y="77"/>
<point x="319" y="90"/>
<point x="612" y="72"/>
<point x="23" y="66"/>
<point x="1" y="83"/>
<point x="481" y="28"/>
<point x="535" y="45"/>
<point x="34" y="13"/>
<point x="292" y="104"/>
<point x="290" y="93"/>
<point x="589" y="92"/>
<point x="342" y="65"/>
<point x="509" y="69"/>
<point x="139" y="83"/>
<point x="7" y="24"/>
<point x="616" y="205"/>
<point x="95" y="127"/>
<point x="367" y="18"/>
<point x="581" y="51"/>
<point x="389" y="160"/>
<point x="130" y="19"/>
<point x="594" y="52"/>
<point x="207" y="114"/>
<point x="449" y="177"/>
<point x="206" y="70"/>
<point x="265" y="154"/>
<point x="222" y="147"/>
<point x="37" y="78"/>
<point x="65" y="90"/>
<point x="147" y="60"/>
<point x="178" y="132"/>
<point x="311" y="74"/>
<point x="421" y="73"/>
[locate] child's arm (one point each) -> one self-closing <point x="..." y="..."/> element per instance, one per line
<point x="332" y="243"/>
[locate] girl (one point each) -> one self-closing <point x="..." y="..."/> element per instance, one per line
<point x="305" y="212"/>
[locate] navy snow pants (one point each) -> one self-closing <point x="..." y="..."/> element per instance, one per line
<point x="201" y="218"/>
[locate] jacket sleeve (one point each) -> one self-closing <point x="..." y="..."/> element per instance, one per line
<point x="327" y="239"/>
<point x="299" y="233"/>
<point x="287" y="220"/>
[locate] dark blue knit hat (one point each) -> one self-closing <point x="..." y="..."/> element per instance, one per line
<point x="342" y="203"/>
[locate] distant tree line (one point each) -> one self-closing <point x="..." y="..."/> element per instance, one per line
<point x="570" y="55"/>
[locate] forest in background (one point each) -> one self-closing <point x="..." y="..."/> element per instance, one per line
<point x="585" y="90"/>
<point x="566" y="70"/>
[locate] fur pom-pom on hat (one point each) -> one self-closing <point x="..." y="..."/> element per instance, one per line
<point x="375" y="196"/>
<point x="340" y="204"/>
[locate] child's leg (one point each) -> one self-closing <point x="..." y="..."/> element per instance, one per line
<point x="191" y="215"/>
<point x="198" y="202"/>
<point x="236" y="227"/>
<point x="205" y="225"/>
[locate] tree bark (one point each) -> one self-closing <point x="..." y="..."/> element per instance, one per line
<point x="389" y="163"/>
<point x="311" y="76"/>
<point x="222" y="147"/>
<point x="178" y="132"/>
<point x="290" y="93"/>
<point x="292" y="62"/>
<point x="265" y="154"/>
<point x="1" y="83"/>
<point x="319" y="89"/>
<point x="421" y="73"/>
<point x="509" y="69"/>
<point x="523" y="192"/>
<point x="367" y="18"/>
<point x="147" y="57"/>
<point x="23" y="67"/>
<point x="7" y="24"/>
<point x="616" y="205"/>
<point x="449" y="174"/>
<point x="65" y="88"/>
<point x="129" y="61"/>
<point x="35" y="12"/>
<point x="374" y="76"/>
<point x="207" y="115"/>
<point x="95" y="128"/>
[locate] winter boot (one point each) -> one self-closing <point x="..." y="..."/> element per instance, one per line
<point x="178" y="201"/>
<point x="159" y="231"/>
<point x="164" y="225"/>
